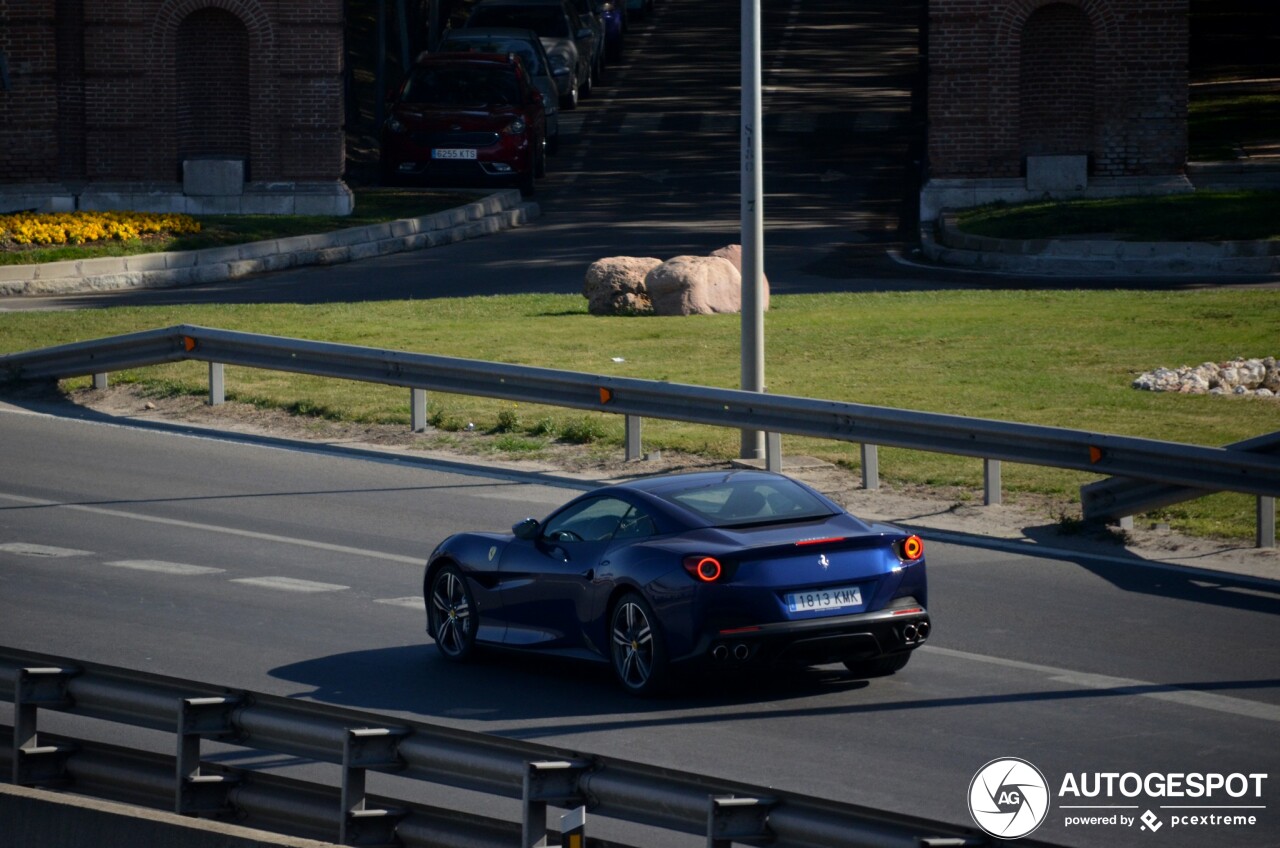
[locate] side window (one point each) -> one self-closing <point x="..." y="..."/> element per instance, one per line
<point x="635" y="525"/>
<point x="590" y="521"/>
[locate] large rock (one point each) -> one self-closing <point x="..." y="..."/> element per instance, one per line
<point x="616" y="285"/>
<point x="695" y="285"/>
<point x="733" y="252"/>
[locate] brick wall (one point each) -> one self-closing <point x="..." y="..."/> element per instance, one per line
<point x="122" y="90"/>
<point x="1011" y="78"/>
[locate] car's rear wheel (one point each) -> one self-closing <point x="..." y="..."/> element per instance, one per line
<point x="639" y="657"/>
<point x="453" y="614"/>
<point x="878" y="667"/>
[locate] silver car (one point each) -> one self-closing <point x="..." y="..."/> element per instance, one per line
<point x="570" y="42"/>
<point x="523" y="43"/>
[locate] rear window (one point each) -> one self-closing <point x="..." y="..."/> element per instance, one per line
<point x="546" y="21"/>
<point x="734" y="502"/>
<point x="522" y="49"/>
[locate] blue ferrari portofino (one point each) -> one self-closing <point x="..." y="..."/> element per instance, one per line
<point x="729" y="569"/>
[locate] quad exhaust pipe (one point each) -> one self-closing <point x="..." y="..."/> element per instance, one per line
<point x="915" y="632"/>
<point x="739" y="651"/>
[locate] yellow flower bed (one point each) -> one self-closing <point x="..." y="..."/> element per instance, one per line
<point x="35" y="228"/>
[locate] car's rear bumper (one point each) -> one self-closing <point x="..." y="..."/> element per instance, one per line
<point x="861" y="636"/>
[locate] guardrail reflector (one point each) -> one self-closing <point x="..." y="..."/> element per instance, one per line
<point x="188" y="343"/>
<point x="606" y="395"/>
<point x="1095" y="453"/>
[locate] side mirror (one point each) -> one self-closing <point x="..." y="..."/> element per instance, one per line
<point x="527" y="529"/>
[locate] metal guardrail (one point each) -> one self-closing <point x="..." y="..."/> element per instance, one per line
<point x="1166" y="463"/>
<point x="722" y="812"/>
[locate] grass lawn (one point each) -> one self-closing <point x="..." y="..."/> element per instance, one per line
<point x="373" y="205"/>
<point x="1218" y="123"/>
<point x="1203" y="216"/>
<point x="1063" y="358"/>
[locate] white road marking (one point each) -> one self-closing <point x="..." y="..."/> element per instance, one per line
<point x="161" y="567"/>
<point x="1143" y="688"/>
<point x="25" y="549"/>
<point x="412" y="603"/>
<point x="290" y="584"/>
<point x="215" y="528"/>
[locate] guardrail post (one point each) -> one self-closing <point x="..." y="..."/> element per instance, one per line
<point x="217" y="385"/>
<point x="992" y="491"/>
<point x="365" y="748"/>
<point x="35" y="764"/>
<point x="418" y="410"/>
<point x="547" y="782"/>
<point x="196" y="793"/>
<point x="634" y="450"/>
<point x="870" y="466"/>
<point x="773" y="451"/>
<point x="731" y="819"/>
<point x="100" y="381"/>
<point x="1266" y="522"/>
<point x="573" y="829"/>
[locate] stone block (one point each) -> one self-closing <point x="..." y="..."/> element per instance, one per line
<point x="212" y="177"/>
<point x="1057" y="173"/>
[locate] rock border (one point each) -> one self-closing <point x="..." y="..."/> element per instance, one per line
<point x="485" y="216"/>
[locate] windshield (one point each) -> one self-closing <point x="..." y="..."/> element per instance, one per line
<point x="738" y="501"/>
<point x="546" y="21"/>
<point x="462" y="85"/>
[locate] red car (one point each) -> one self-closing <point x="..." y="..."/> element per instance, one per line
<point x="466" y="119"/>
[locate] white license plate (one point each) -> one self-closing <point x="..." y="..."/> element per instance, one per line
<point x="453" y="153"/>
<point x="824" y="599"/>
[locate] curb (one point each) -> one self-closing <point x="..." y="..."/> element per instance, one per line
<point x="1086" y="257"/>
<point x="493" y="213"/>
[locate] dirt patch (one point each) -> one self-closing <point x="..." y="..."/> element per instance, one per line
<point x="1029" y="520"/>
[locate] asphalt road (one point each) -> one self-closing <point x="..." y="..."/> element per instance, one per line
<point x="297" y="572"/>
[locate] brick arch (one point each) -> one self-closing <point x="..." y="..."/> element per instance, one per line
<point x="1009" y="136"/>
<point x="1056" y="80"/>
<point x="164" y="70"/>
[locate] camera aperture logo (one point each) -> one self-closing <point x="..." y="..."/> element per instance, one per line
<point x="1008" y="798"/>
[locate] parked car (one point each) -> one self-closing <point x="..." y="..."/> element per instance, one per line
<point x="466" y="119"/>
<point x="590" y="14"/>
<point x="523" y="43"/>
<point x="734" y="570"/>
<point x="570" y="43"/>
<point x="614" y="13"/>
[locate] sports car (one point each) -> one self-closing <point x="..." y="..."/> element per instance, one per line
<point x="732" y="570"/>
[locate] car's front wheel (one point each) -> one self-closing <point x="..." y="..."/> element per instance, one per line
<point x="639" y="656"/>
<point x="453" y="614"/>
<point x="878" y="667"/>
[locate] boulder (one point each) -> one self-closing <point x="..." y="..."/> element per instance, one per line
<point x="695" y="285"/>
<point x="616" y="285"/>
<point x="733" y="252"/>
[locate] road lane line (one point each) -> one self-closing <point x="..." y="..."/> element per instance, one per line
<point x="1143" y="688"/>
<point x="412" y="602"/>
<point x="290" y="584"/>
<point x="25" y="549"/>
<point x="215" y="528"/>
<point x="160" y="567"/>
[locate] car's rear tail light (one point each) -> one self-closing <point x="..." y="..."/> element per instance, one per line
<point x="910" y="549"/>
<point x="707" y="569"/>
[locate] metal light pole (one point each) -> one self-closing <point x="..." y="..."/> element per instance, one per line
<point x="753" y="442"/>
